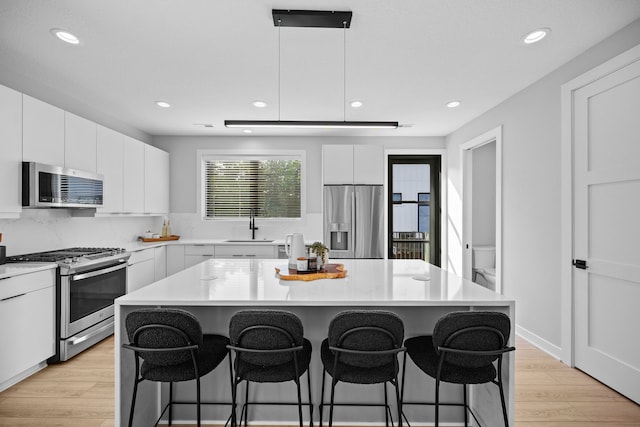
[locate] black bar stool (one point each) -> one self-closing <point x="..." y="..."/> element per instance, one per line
<point x="269" y="347"/>
<point x="462" y="350"/>
<point x="172" y="348"/>
<point x="362" y="348"/>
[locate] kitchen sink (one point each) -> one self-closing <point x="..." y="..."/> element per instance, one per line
<point x="247" y="241"/>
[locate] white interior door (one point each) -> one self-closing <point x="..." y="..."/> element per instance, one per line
<point x="606" y="230"/>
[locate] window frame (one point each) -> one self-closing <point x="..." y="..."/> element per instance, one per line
<point x="206" y="155"/>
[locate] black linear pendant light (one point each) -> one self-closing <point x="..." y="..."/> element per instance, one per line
<point x="314" y="19"/>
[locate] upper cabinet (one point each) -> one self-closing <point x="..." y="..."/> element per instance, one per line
<point x="42" y="132"/>
<point x="352" y="164"/>
<point x="133" y="176"/>
<point x="136" y="175"/>
<point x="110" y="156"/>
<point x="368" y="164"/>
<point x="11" y="149"/>
<point x="79" y="143"/>
<point x="156" y="180"/>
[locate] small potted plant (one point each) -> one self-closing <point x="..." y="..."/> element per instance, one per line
<point x="321" y="251"/>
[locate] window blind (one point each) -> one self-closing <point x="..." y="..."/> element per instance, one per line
<point x="270" y="187"/>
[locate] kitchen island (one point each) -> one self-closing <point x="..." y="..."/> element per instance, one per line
<point x="418" y="292"/>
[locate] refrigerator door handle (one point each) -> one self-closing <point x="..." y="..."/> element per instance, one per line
<point x="353" y="230"/>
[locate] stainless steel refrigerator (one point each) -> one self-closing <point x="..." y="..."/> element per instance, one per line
<point x="353" y="221"/>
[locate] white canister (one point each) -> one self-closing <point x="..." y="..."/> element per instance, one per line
<point x="302" y="264"/>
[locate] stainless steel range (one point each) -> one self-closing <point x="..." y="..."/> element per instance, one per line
<point x="88" y="281"/>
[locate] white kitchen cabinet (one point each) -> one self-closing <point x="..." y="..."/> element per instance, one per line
<point x="156" y="180"/>
<point x="27" y="324"/>
<point x="160" y="262"/>
<point x="11" y="149"/>
<point x="352" y="164"/>
<point x="337" y="164"/>
<point x="133" y="176"/>
<point x="42" y="132"/>
<point x="246" y="251"/>
<point x="175" y="259"/>
<point x="368" y="164"/>
<point x="195" y="254"/>
<point x="79" y="143"/>
<point x="141" y="270"/>
<point x="110" y="157"/>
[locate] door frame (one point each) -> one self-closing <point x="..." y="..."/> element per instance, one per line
<point x="567" y="312"/>
<point x="466" y="148"/>
<point x="443" y="193"/>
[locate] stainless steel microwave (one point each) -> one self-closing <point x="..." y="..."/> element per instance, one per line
<point x="46" y="186"/>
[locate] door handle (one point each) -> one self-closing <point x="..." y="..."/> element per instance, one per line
<point x="580" y="263"/>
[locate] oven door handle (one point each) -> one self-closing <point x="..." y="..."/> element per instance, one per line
<point x="98" y="272"/>
<point x="77" y="340"/>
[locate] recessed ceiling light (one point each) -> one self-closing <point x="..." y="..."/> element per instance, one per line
<point x="535" y="35"/>
<point x="259" y="104"/>
<point x="206" y="125"/>
<point x="163" y="104"/>
<point x="247" y="131"/>
<point x="453" y="104"/>
<point x="65" y="36"/>
<point x="356" y="104"/>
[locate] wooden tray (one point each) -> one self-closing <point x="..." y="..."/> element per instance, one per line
<point x="331" y="271"/>
<point x="159" y="239"/>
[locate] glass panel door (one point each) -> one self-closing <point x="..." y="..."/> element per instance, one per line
<point x="414" y="219"/>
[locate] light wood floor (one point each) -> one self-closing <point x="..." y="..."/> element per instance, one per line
<point x="79" y="393"/>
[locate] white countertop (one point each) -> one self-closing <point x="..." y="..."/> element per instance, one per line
<point x="253" y="282"/>
<point x="16" y="268"/>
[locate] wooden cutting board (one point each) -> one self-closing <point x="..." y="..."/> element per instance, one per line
<point x="331" y="271"/>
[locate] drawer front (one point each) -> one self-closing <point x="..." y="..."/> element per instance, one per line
<point x="206" y="250"/>
<point x="24" y="283"/>
<point x="248" y="251"/>
<point x="140" y="256"/>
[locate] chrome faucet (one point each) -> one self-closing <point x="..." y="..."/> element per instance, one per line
<point x="252" y="223"/>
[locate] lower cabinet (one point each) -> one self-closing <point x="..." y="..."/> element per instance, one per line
<point x="160" y="262"/>
<point x="27" y="324"/>
<point x="141" y="270"/>
<point x="178" y="257"/>
<point x="195" y="254"/>
<point x="175" y="259"/>
<point x="246" y="251"/>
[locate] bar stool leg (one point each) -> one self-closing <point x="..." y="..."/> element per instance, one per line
<point x="321" y="407"/>
<point x="170" y="401"/>
<point x="466" y="405"/>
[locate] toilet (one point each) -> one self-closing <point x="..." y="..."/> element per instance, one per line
<point x="484" y="266"/>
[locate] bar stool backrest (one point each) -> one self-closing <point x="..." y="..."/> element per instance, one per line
<point x="473" y="331"/>
<point x="163" y="328"/>
<point x="265" y="330"/>
<point x="366" y="330"/>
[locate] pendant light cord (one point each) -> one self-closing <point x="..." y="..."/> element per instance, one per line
<point x="344" y="71"/>
<point x="279" y="65"/>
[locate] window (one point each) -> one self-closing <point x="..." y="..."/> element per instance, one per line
<point x="268" y="185"/>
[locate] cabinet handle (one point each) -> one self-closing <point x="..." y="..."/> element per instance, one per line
<point x="15" y="296"/>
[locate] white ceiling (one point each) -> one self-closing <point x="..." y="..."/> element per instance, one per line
<point x="211" y="58"/>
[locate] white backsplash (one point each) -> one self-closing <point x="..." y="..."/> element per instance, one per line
<point x="190" y="225"/>
<point x="46" y="229"/>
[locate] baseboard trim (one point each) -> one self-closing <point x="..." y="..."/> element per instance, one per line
<point x="544" y="345"/>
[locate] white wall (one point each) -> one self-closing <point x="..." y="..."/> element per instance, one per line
<point x="186" y="220"/>
<point x="484" y="195"/>
<point x="531" y="190"/>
